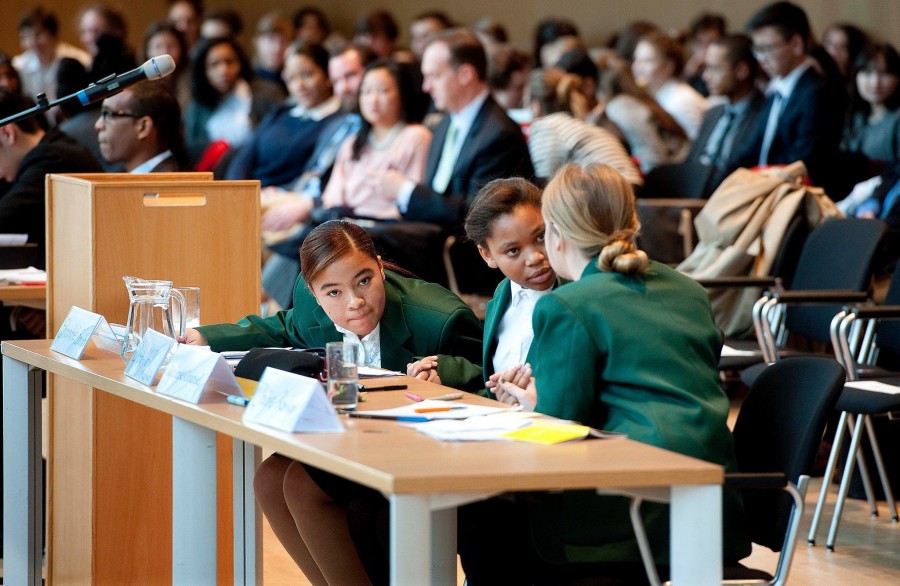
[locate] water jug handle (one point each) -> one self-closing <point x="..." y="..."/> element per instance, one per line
<point x="182" y="318"/>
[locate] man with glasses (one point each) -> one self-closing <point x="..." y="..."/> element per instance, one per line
<point x="141" y="129"/>
<point x="801" y="120"/>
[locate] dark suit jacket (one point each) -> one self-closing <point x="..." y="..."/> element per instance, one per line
<point x="22" y="206"/>
<point x="494" y="147"/>
<point x="420" y="319"/>
<point x="744" y="127"/>
<point x="168" y="165"/>
<point x="809" y="130"/>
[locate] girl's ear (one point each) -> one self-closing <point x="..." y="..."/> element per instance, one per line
<point x="486" y="255"/>
<point x="381" y="266"/>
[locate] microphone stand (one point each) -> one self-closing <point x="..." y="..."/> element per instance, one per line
<point x="43" y="105"/>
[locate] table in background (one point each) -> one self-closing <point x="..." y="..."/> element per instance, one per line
<point x="424" y="479"/>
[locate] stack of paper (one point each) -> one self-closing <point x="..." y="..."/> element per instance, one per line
<point x="474" y="429"/>
<point x="29" y="276"/>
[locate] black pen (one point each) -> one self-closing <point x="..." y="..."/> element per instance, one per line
<point x="384" y="388"/>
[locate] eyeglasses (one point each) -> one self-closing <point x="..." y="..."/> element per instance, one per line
<point x="763" y="51"/>
<point x="105" y="115"/>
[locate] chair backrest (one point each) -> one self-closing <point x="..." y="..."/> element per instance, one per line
<point x="837" y="255"/>
<point x="683" y="180"/>
<point x="778" y="429"/>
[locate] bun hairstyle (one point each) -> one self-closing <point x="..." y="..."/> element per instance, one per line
<point x="592" y="207"/>
<point x="558" y="91"/>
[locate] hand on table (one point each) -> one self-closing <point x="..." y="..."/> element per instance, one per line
<point x="194" y="338"/>
<point x="285" y="214"/>
<point x="424" y="369"/>
<point x="517" y="388"/>
<point x="519" y="375"/>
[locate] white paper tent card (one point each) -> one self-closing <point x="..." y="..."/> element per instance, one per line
<point x="195" y="372"/>
<point x="81" y="327"/>
<point x="290" y="402"/>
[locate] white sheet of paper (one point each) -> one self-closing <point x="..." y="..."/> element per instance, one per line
<point x="729" y="351"/>
<point x="874" y="386"/>
<point x="76" y="331"/>
<point x="292" y="403"/>
<point x="149" y="357"/>
<point x="372" y="372"/>
<point x="194" y="372"/>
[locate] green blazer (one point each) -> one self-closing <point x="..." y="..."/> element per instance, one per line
<point x="420" y="319"/>
<point x="639" y="355"/>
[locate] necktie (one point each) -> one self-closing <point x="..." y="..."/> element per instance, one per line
<point x="715" y="148"/>
<point x="771" y="127"/>
<point x="448" y="159"/>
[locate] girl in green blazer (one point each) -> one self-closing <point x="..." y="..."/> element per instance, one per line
<point x="505" y="223"/>
<point x="630" y="346"/>
<point x="346" y="293"/>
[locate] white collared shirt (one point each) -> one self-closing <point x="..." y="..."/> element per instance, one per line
<point x="369" y="345"/>
<point x="785" y="85"/>
<point x="515" y="334"/>
<point x="317" y="113"/>
<point x="150" y="164"/>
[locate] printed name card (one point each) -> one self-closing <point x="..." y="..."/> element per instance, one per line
<point x="79" y="328"/>
<point x="194" y="370"/>
<point x="290" y="402"/>
<point x="149" y="357"/>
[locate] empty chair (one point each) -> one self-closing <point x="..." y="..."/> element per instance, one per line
<point x="776" y="436"/>
<point x="863" y="337"/>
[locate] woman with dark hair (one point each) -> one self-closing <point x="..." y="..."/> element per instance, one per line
<point x="843" y="42"/>
<point x="226" y="102"/>
<point x="548" y="31"/>
<point x="591" y="366"/>
<point x="651" y="134"/>
<point x="285" y="139"/>
<point x="162" y="38"/>
<point x="872" y="128"/>
<point x="391" y="139"/>
<point x="345" y="292"/>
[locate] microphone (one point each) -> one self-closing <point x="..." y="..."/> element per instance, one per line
<point x="154" y="68"/>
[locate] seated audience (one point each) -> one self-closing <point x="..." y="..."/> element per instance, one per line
<point x="226" y="101"/>
<point x="285" y="139"/>
<point x="9" y="77"/>
<point x="651" y="134"/>
<point x="801" y="121"/>
<point x="312" y="26"/>
<point x="140" y="128"/>
<point x="658" y="66"/>
<point x="222" y="22"/>
<point x="588" y="326"/>
<point x="391" y="138"/>
<point x="98" y="20"/>
<point x="560" y="136"/>
<point x="547" y="31"/>
<point x="578" y="62"/>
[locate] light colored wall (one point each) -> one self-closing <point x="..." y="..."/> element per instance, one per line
<point x="597" y="19"/>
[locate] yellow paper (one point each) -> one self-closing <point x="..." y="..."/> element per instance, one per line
<point x="548" y="433"/>
<point x="248" y="385"/>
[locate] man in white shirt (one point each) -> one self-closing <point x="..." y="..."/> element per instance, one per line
<point x="140" y="128"/>
<point x="802" y="120"/>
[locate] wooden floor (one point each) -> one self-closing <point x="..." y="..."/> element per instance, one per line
<point x="867" y="551"/>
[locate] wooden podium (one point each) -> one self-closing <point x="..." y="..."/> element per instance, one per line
<point x="110" y="460"/>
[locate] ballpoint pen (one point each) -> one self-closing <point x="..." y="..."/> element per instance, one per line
<point x="408" y="418"/>
<point x="384" y="388"/>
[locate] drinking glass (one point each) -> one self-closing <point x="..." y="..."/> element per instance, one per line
<point x="343" y="379"/>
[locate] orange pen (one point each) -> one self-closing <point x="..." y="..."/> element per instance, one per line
<point x="436" y="409"/>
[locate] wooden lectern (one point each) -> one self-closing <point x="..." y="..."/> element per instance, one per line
<point x="110" y="462"/>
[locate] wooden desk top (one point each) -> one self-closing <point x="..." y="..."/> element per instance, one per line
<point x="23" y="293"/>
<point x="392" y="458"/>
